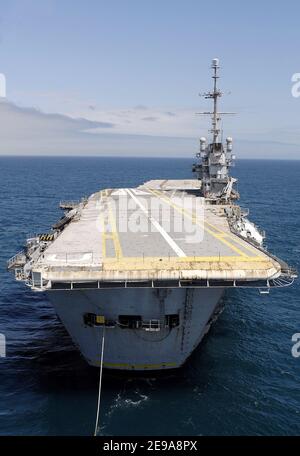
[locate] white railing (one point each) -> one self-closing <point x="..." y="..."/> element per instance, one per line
<point x="70" y="204"/>
<point x="18" y="259"/>
<point x="71" y="258"/>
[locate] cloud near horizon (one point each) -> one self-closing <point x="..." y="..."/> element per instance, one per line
<point x="29" y="131"/>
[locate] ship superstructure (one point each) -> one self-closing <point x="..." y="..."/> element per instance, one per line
<point x="215" y="158"/>
<point x="151" y="264"/>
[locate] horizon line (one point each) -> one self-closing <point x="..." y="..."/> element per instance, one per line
<point x="134" y="156"/>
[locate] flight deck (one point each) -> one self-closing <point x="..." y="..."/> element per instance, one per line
<point x="158" y="230"/>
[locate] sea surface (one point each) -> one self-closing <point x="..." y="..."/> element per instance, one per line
<point x="243" y="379"/>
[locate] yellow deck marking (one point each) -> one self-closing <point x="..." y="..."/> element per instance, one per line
<point x="235" y="239"/>
<point x="108" y="235"/>
<point x="223" y="233"/>
<point x="104" y="233"/>
<point x="114" y="232"/>
<point x="195" y="220"/>
<point x="176" y="264"/>
<point x="179" y="260"/>
<point x="134" y="263"/>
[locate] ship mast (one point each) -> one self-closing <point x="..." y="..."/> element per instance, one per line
<point x="215" y="158"/>
<point x="215" y="94"/>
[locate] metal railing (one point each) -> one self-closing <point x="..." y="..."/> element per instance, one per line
<point x="71" y="258"/>
<point x="68" y="204"/>
<point x="289" y="272"/>
<point x="17" y="260"/>
<point x="279" y="282"/>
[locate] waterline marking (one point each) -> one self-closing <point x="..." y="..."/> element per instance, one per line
<point x="2" y="346"/>
<point x="296" y="347"/>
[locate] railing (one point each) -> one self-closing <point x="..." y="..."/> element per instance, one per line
<point x="68" y="204"/>
<point x="244" y="211"/>
<point x="32" y="236"/>
<point x="279" y="282"/>
<point x="74" y="258"/>
<point x="153" y="325"/>
<point x="290" y="272"/>
<point x="72" y="203"/>
<point x="17" y="260"/>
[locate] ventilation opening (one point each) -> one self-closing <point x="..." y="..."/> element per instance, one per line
<point x="130" y="321"/>
<point x="136" y="322"/>
<point x="92" y="320"/>
<point x="172" y="320"/>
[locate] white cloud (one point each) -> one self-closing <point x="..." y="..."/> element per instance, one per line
<point x="30" y="131"/>
<point x="140" y="131"/>
<point x="147" y="121"/>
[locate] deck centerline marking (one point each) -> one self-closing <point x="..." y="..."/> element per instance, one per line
<point x="159" y="228"/>
<point x="194" y="219"/>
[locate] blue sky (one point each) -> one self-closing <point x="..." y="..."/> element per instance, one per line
<point x="133" y="70"/>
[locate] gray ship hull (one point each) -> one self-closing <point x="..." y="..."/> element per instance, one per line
<point x="153" y="345"/>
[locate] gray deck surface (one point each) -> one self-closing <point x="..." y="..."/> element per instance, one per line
<point x="155" y="228"/>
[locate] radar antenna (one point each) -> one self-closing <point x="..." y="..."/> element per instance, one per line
<point x="215" y="94"/>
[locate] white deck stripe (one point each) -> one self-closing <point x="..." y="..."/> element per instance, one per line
<point x="159" y="228"/>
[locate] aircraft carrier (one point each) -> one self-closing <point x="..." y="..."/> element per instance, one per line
<point x="149" y="265"/>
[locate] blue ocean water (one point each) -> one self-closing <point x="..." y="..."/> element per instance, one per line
<point x="241" y="380"/>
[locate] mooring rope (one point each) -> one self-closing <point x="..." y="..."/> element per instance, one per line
<point x="100" y="381"/>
